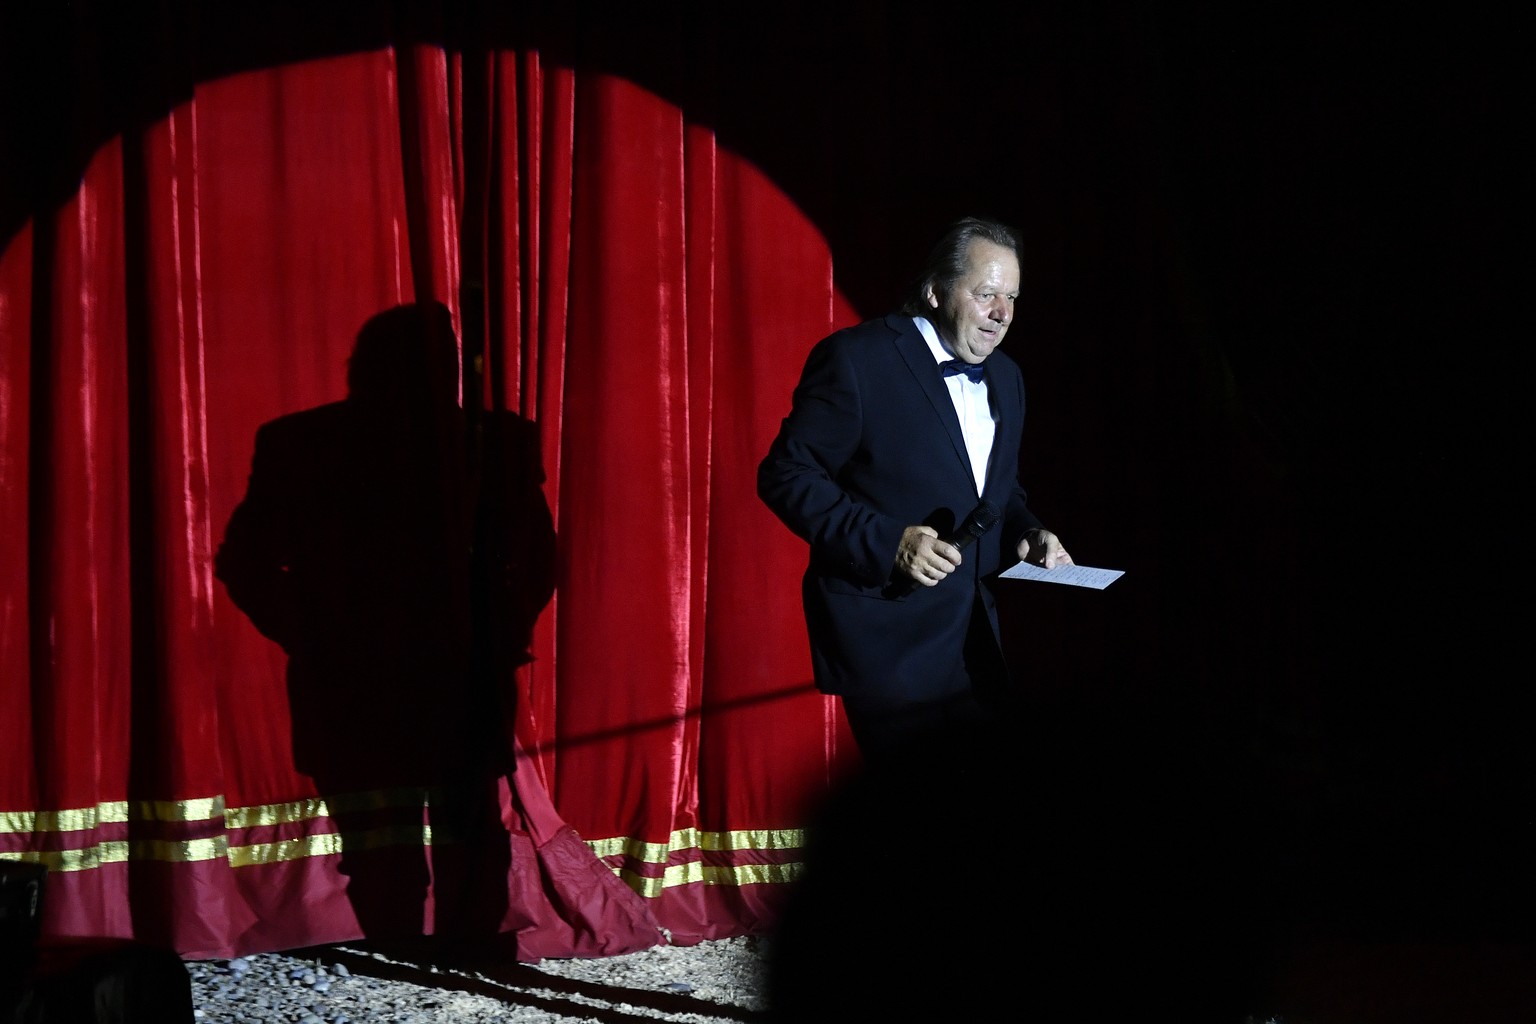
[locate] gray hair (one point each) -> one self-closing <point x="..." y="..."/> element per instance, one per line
<point x="949" y="260"/>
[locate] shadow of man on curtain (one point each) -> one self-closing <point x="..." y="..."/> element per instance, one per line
<point x="400" y="550"/>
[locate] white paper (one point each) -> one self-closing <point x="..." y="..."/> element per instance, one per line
<point x="1071" y="575"/>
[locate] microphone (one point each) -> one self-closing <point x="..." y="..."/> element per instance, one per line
<point x="981" y="519"/>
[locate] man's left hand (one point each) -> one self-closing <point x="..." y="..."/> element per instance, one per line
<point x="1043" y="548"/>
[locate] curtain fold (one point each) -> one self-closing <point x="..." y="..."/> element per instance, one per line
<point x="617" y="285"/>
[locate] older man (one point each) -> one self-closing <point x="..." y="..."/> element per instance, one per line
<point x="898" y="464"/>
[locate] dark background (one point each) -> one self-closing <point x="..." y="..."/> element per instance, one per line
<point x="1268" y="329"/>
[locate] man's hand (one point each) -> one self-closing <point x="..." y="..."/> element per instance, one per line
<point x="1040" y="547"/>
<point x="923" y="557"/>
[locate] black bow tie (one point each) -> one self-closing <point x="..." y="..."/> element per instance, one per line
<point x="954" y="366"/>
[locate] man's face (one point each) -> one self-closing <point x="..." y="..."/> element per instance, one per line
<point x="975" y="315"/>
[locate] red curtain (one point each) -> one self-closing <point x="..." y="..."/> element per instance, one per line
<point x="618" y="283"/>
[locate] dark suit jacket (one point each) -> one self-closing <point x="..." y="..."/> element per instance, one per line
<point x="871" y="446"/>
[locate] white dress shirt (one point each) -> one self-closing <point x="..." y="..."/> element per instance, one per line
<point x="977" y="421"/>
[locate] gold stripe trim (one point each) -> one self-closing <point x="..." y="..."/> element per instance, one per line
<point x="173" y="852"/>
<point x="120" y="812"/>
<point x="77" y="819"/>
<point x="312" y="810"/>
<point x="693" y="839"/>
<point x="710" y="874"/>
<point x="201" y="809"/>
<point x="121" y="851"/>
<point x="75" y="860"/>
<point x="276" y="814"/>
<point x="323" y="844"/>
<point x="117" y="812"/>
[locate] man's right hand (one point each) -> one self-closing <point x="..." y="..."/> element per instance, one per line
<point x="923" y="557"/>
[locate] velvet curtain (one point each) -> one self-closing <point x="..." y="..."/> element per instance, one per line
<point x="616" y="281"/>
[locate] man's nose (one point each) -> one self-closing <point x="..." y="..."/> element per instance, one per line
<point x="1001" y="311"/>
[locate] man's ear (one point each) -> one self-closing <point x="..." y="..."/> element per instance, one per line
<point x="931" y="296"/>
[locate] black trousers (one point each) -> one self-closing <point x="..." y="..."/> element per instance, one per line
<point x="975" y="697"/>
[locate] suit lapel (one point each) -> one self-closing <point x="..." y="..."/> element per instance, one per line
<point x="1009" y="413"/>
<point x="913" y="349"/>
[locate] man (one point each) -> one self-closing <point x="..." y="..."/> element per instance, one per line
<point x="899" y="428"/>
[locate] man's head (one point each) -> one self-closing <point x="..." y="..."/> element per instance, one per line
<point x="968" y="287"/>
<point x="406" y="356"/>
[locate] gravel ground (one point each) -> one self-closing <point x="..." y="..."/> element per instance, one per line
<point x="724" y="982"/>
<point x="715" y="982"/>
